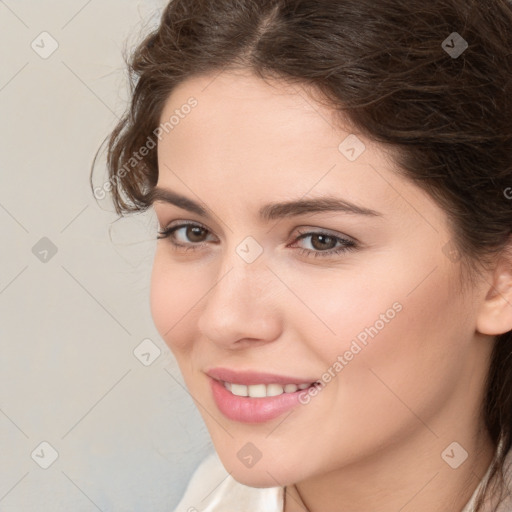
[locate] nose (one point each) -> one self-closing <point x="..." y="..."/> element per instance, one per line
<point x="242" y="306"/>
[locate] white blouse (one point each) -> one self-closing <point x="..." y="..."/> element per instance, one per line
<point x="213" y="489"/>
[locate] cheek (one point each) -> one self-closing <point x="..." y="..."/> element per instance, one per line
<point x="347" y="304"/>
<point x="415" y="358"/>
<point x="404" y="369"/>
<point x="391" y="305"/>
<point x="401" y="326"/>
<point x="173" y="295"/>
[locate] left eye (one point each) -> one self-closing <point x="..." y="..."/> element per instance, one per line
<point x="318" y="240"/>
<point x="193" y="236"/>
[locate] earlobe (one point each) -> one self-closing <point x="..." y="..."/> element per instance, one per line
<point x="495" y="314"/>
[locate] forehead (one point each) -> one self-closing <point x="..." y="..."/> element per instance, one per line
<point x="245" y="123"/>
<point x="241" y="108"/>
<point x="272" y="140"/>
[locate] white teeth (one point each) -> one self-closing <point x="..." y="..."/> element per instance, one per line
<point x="263" y="390"/>
<point x="257" y="390"/>
<point x="239" y="389"/>
<point x="274" y="389"/>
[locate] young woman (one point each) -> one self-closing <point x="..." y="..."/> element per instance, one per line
<point x="333" y="185"/>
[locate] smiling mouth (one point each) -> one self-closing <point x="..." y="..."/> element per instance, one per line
<point x="264" y="390"/>
<point x="256" y="397"/>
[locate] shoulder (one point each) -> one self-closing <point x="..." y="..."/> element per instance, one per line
<point x="213" y="489"/>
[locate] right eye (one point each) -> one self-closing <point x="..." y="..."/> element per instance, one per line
<point x="192" y="235"/>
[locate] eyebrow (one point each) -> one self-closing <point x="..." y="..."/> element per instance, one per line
<point x="269" y="211"/>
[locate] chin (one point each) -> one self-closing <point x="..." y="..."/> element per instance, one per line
<point x="257" y="477"/>
<point x="267" y="472"/>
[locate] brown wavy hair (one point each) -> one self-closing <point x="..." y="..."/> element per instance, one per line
<point x="386" y="65"/>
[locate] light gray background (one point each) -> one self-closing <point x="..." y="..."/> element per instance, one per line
<point x="128" y="436"/>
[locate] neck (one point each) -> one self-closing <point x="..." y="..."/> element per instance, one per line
<point x="396" y="480"/>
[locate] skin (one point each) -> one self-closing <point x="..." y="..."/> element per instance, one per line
<point x="372" y="439"/>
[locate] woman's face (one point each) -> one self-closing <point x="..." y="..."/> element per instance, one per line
<point x="311" y="260"/>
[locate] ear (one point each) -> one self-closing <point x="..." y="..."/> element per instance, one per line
<point x="495" y="314"/>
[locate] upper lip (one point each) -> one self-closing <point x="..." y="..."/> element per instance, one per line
<point x="251" y="377"/>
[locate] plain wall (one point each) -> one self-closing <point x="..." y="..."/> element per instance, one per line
<point x="74" y="284"/>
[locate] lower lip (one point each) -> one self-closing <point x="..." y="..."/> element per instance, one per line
<point x="252" y="410"/>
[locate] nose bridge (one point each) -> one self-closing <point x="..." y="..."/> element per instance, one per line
<point x="243" y="270"/>
<point x="238" y="304"/>
<point x="239" y="284"/>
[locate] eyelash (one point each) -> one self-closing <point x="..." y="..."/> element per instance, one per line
<point x="347" y="245"/>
